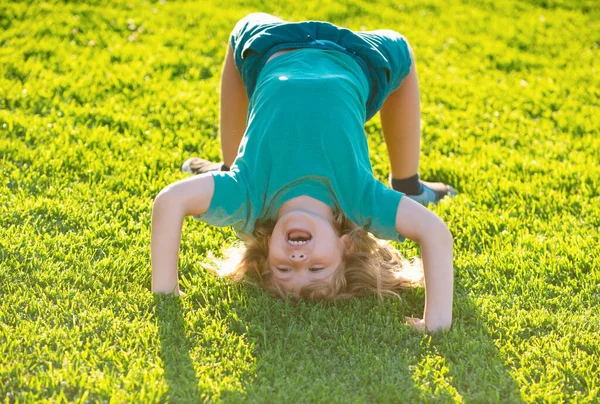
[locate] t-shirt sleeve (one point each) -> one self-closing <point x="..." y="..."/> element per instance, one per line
<point x="229" y="205"/>
<point x="379" y="209"/>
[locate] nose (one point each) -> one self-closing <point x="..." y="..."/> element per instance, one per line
<point x="297" y="256"/>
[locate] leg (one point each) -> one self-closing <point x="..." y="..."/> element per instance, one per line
<point x="234" y="109"/>
<point x="401" y="124"/>
<point x="232" y="119"/>
<point x="234" y="99"/>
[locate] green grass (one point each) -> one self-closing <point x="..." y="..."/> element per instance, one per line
<point x="99" y="105"/>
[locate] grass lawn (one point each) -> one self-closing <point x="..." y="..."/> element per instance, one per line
<point x="101" y="102"/>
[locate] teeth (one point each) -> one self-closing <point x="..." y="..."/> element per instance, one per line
<point x="299" y="242"/>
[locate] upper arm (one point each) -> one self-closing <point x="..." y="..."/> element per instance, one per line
<point x="192" y="195"/>
<point x="416" y="222"/>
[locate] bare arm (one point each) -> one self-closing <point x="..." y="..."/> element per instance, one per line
<point x="423" y="226"/>
<point x="183" y="198"/>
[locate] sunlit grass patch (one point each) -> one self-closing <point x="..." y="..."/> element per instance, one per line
<point x="101" y="102"/>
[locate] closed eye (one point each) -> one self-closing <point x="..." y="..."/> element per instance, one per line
<point x="311" y="269"/>
<point x="284" y="269"/>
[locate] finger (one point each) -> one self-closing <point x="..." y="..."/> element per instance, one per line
<point x="416" y="323"/>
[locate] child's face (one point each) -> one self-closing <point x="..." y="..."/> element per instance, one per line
<point x="303" y="249"/>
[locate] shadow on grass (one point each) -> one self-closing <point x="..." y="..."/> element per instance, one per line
<point x="175" y="350"/>
<point x="361" y="350"/>
<point x="322" y="353"/>
<point x="467" y="360"/>
<point x="358" y="350"/>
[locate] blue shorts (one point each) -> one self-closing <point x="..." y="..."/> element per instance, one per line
<point x="383" y="54"/>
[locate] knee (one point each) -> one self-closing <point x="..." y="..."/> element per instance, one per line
<point x="242" y="22"/>
<point x="403" y="39"/>
<point x="255" y="16"/>
<point x="400" y="39"/>
<point x="250" y="20"/>
<point x="410" y="50"/>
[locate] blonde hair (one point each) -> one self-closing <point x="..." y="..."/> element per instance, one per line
<point x="368" y="265"/>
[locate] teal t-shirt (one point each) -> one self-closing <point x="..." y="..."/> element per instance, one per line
<point x="305" y="136"/>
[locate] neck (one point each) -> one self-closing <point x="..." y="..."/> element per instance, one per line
<point x="307" y="204"/>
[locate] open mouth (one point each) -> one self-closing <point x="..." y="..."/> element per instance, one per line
<point x="298" y="237"/>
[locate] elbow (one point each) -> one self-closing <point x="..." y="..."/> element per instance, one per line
<point x="161" y="201"/>
<point x="441" y="232"/>
<point x="166" y="201"/>
<point x="436" y="232"/>
<point x="446" y="234"/>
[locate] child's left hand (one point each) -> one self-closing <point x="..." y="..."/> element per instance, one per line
<point x="416" y="323"/>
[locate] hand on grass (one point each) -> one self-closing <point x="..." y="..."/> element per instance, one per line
<point x="175" y="292"/>
<point x="420" y="325"/>
<point x="416" y="323"/>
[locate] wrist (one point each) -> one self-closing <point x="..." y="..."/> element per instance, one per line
<point x="438" y="323"/>
<point x="167" y="287"/>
